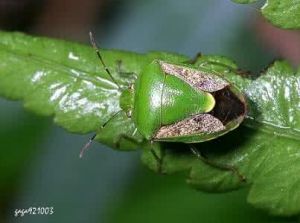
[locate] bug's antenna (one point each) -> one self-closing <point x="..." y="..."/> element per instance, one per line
<point x="92" y="40"/>
<point x="87" y="145"/>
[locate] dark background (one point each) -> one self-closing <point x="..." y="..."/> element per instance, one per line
<point x="39" y="163"/>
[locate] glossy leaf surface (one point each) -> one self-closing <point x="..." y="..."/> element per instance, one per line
<point x="265" y="149"/>
<point x="282" y="13"/>
<point x="65" y="80"/>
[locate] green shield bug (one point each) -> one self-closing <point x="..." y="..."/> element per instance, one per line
<point x="177" y="102"/>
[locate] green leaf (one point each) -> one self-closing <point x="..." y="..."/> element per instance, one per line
<point x="163" y="195"/>
<point x="244" y="1"/>
<point x="58" y="78"/>
<point x="65" y="80"/>
<point x="19" y="145"/>
<point x="265" y="150"/>
<point x="282" y="13"/>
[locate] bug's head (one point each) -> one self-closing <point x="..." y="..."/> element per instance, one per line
<point x="126" y="100"/>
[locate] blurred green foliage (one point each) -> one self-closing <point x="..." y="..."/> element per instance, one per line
<point x="152" y="198"/>
<point x="19" y="139"/>
<point x="282" y="13"/>
<point x="139" y="26"/>
<point x="79" y="97"/>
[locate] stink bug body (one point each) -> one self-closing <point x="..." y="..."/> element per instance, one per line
<point x="178" y="103"/>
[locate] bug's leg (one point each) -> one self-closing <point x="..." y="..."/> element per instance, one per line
<point x="158" y="159"/>
<point x="199" y="55"/>
<point x="124" y="136"/>
<point x="88" y="144"/>
<point x="243" y="73"/>
<point x="220" y="166"/>
<point x="121" y="71"/>
<point x="133" y="140"/>
<point x="194" y="60"/>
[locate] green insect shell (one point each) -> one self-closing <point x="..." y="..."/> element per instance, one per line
<point x="178" y="103"/>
